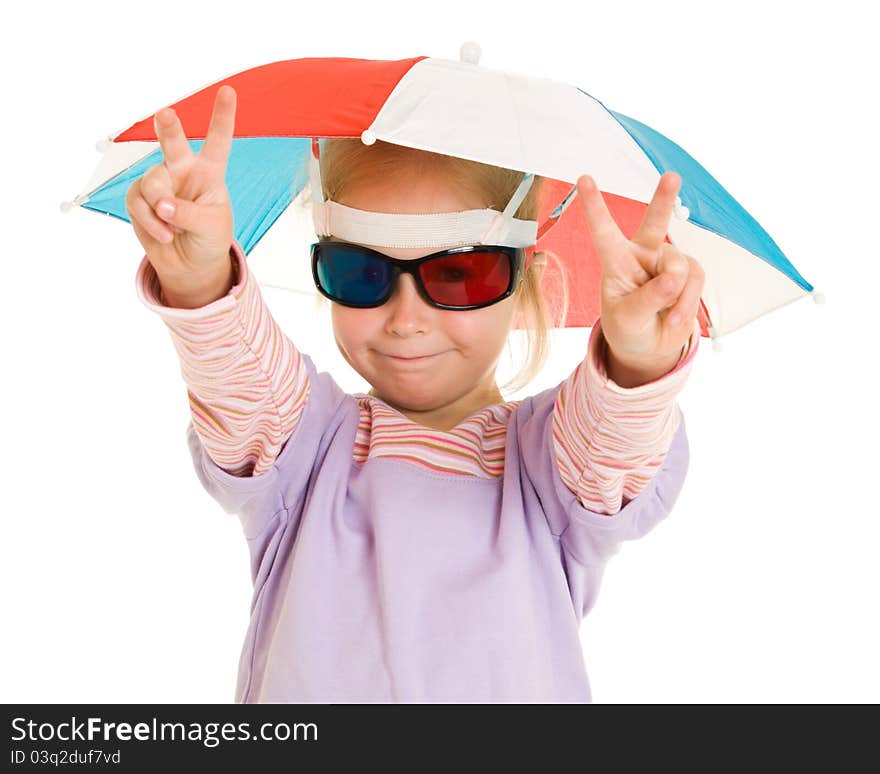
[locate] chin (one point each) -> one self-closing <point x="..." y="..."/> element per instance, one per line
<point x="411" y="400"/>
<point x="407" y="401"/>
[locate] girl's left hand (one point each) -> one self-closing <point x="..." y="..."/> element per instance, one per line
<point x="650" y="291"/>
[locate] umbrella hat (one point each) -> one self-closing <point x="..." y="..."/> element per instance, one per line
<point x="538" y="126"/>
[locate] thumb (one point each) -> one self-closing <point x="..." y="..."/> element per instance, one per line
<point x="659" y="293"/>
<point x="185" y="214"/>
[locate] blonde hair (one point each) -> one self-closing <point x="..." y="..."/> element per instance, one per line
<point x="347" y="161"/>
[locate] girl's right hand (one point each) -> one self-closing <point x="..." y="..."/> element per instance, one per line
<point x="190" y="247"/>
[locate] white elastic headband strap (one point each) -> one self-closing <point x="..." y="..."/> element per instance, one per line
<point x="443" y="229"/>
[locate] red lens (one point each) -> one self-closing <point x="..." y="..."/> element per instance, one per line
<point x="467" y="279"/>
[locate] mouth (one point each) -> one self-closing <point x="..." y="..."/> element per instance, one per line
<point x="418" y="359"/>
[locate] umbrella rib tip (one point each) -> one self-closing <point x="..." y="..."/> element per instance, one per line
<point x="716" y="339"/>
<point x="77" y="200"/>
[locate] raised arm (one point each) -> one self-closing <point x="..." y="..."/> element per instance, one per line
<point x="246" y="381"/>
<point x="609" y="440"/>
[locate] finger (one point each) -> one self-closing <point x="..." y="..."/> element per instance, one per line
<point x="156" y="184"/>
<point x="655" y="225"/>
<point x="218" y="140"/>
<point x="157" y="188"/>
<point x="609" y="240"/>
<point x="175" y="147"/>
<point x="674" y="263"/>
<point x="142" y="214"/>
<point x="661" y="292"/>
<point x="688" y="304"/>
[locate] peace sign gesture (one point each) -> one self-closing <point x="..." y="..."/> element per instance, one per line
<point x="188" y="244"/>
<point x="650" y="291"/>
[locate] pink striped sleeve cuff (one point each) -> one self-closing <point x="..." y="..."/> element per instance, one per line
<point x="611" y="440"/>
<point x="247" y="382"/>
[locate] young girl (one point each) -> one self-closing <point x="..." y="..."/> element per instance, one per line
<point x="427" y="541"/>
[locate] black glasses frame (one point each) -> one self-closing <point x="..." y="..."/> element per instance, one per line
<point x="516" y="256"/>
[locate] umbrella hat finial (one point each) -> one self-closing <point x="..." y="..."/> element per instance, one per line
<point x="470" y="52"/>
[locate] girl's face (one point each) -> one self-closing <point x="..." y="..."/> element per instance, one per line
<point x="460" y="348"/>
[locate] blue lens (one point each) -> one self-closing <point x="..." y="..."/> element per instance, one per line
<point x="353" y="276"/>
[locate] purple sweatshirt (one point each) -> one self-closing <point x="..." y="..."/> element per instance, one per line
<point x="386" y="582"/>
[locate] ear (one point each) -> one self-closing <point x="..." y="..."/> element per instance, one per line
<point x="535" y="267"/>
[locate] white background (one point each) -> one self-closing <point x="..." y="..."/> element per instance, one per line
<point x="123" y="581"/>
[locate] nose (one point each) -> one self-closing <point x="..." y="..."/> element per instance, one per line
<point x="407" y="311"/>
